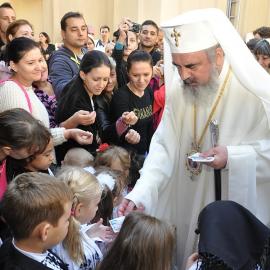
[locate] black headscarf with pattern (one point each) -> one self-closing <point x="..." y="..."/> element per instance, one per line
<point x="231" y="237"/>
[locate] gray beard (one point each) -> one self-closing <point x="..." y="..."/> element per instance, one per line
<point x="202" y="95"/>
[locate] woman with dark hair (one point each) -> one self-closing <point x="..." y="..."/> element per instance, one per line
<point x="262" y="53"/>
<point x="132" y="103"/>
<point x="46" y="47"/>
<point x="26" y="62"/>
<point x="231" y="238"/>
<point x="106" y="126"/>
<point x="78" y="97"/>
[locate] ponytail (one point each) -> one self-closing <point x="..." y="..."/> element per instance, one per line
<point x="72" y="243"/>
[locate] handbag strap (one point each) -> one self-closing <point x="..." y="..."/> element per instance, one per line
<point x="3" y="179"/>
<point x="25" y="93"/>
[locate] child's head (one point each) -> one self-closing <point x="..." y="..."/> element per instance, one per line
<point x="114" y="179"/>
<point x="78" y="157"/>
<point x="86" y="192"/>
<point x="143" y="243"/>
<point x="43" y="160"/>
<point x="21" y="135"/>
<point x="113" y="183"/>
<point x="86" y="196"/>
<point x="37" y="206"/>
<point x="116" y="158"/>
<point x="231" y="237"/>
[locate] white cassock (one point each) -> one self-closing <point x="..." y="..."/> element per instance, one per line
<point x="165" y="187"/>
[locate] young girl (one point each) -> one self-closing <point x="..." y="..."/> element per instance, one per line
<point x="143" y="243"/>
<point x="78" y="250"/>
<point x="133" y="102"/>
<point x="116" y="158"/>
<point x="39" y="162"/>
<point x="113" y="187"/>
<point x="21" y="136"/>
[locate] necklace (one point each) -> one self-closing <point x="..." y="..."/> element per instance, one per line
<point x="195" y="168"/>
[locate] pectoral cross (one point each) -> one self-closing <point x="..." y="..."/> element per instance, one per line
<point x="176" y="35"/>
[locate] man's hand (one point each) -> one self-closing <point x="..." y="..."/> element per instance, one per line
<point x="129" y="118"/>
<point x="128" y="206"/>
<point x="221" y="157"/>
<point x="132" y="137"/>
<point x="78" y="135"/>
<point x="191" y="260"/>
<point x="84" y="118"/>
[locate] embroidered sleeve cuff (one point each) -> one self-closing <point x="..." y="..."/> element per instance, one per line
<point x="58" y="136"/>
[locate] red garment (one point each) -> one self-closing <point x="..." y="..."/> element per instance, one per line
<point x="3" y="179"/>
<point x="159" y="104"/>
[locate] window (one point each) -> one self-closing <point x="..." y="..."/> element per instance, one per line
<point x="233" y="11"/>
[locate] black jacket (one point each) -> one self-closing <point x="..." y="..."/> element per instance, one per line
<point x="12" y="259"/>
<point x="73" y="99"/>
<point x="106" y="125"/>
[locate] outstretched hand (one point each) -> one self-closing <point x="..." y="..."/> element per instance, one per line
<point x="128" y="206"/>
<point x="132" y="137"/>
<point x="78" y="135"/>
<point x="129" y="118"/>
<point x="105" y="233"/>
<point x="84" y="118"/>
<point x="191" y="260"/>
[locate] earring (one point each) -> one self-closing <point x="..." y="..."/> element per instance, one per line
<point x="13" y="68"/>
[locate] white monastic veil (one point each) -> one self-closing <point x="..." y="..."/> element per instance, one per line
<point x="249" y="72"/>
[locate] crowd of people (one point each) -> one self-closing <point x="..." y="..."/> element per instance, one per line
<point x="87" y="137"/>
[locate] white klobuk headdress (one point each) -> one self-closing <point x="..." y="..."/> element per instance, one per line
<point x="200" y="29"/>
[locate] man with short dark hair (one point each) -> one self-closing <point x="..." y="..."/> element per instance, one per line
<point x="148" y="39"/>
<point x="104" y="38"/>
<point x="64" y="63"/>
<point x="7" y="16"/>
<point x="262" y="32"/>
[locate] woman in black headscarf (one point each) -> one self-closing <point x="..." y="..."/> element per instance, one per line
<point x="231" y="238"/>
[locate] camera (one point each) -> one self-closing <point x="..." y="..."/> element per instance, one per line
<point x="135" y="27"/>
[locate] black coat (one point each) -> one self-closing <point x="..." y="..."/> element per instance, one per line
<point x="12" y="259"/>
<point x="73" y="99"/>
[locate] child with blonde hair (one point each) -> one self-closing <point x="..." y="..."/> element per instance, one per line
<point x="116" y="158"/>
<point x="79" y="157"/>
<point x="79" y="250"/>
<point x="36" y="208"/>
